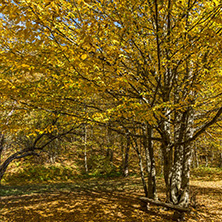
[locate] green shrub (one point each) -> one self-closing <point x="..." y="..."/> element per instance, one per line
<point x="102" y="166"/>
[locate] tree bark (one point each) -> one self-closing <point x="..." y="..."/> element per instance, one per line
<point x="17" y="155"/>
<point x="109" y="151"/>
<point x="2" y="141"/>
<point x="126" y="159"/>
<point x="182" y="162"/>
<point x="220" y="160"/>
<point x="141" y="168"/>
<point x="195" y="157"/>
<point x="167" y="169"/>
<point x="150" y="162"/>
<point x="177" y="169"/>
<point x="168" y="205"/>
<point x="85" y="149"/>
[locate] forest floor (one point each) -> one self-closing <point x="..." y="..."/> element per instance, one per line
<point x="97" y="199"/>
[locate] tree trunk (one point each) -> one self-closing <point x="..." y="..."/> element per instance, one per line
<point x="85" y="149"/>
<point x="5" y="164"/>
<point x="17" y="155"/>
<point x="177" y="168"/>
<point x="195" y="157"/>
<point x="206" y="159"/>
<point x="141" y="168"/>
<point x="220" y="160"/>
<point x="150" y="162"/>
<point x="126" y="159"/>
<point x="2" y="140"/>
<point x="122" y="153"/>
<point x="176" y="179"/>
<point x="167" y="169"/>
<point x="167" y="150"/>
<point x="109" y="151"/>
<point x="182" y="162"/>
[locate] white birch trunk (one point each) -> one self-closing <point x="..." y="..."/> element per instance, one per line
<point x="85" y="149"/>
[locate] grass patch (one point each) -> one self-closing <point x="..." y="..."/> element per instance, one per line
<point x="79" y="184"/>
<point x="208" y="173"/>
<point x="14" y="190"/>
<point x="113" y="174"/>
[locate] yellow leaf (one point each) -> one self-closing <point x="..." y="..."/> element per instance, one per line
<point x="84" y="56"/>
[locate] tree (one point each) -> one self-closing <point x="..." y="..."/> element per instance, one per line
<point x="155" y="64"/>
<point x="38" y="132"/>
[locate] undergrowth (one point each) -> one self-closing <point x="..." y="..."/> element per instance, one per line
<point x="32" y="174"/>
<point x="40" y="174"/>
<point x="208" y="173"/>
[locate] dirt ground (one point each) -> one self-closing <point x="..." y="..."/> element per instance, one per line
<point x="101" y="200"/>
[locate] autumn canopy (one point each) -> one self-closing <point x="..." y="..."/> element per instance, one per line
<point x="148" y="70"/>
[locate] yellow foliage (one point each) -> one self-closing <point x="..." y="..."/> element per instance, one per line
<point x="124" y="59"/>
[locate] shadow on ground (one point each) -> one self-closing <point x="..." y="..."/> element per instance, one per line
<point x="89" y="200"/>
<point x="104" y="201"/>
